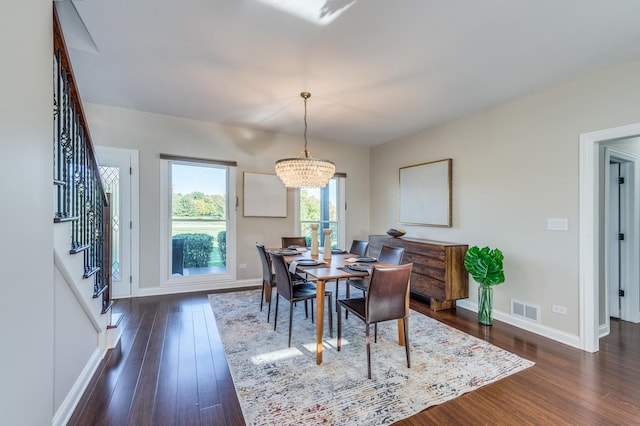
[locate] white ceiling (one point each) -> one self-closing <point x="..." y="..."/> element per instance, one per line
<point x="380" y="70"/>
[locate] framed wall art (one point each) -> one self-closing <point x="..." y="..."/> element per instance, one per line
<point x="425" y="194"/>
<point x="264" y="195"/>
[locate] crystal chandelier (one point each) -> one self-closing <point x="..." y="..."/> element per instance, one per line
<point x="305" y="171"/>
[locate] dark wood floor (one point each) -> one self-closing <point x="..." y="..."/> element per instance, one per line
<point x="170" y="369"/>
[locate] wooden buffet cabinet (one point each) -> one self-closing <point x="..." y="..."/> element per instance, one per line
<point x="438" y="268"/>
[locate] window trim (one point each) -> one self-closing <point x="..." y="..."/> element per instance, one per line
<point x="341" y="210"/>
<point x="166" y="279"/>
<point x="187" y="160"/>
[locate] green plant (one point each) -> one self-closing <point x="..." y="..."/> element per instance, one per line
<point x="485" y="265"/>
<point x="222" y="246"/>
<point x="197" y="249"/>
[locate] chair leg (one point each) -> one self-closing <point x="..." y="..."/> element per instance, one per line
<point x="337" y="288"/>
<point x="275" y="316"/>
<point x="330" y="310"/>
<point x="346" y="314"/>
<point x="290" y="321"/>
<point x="306" y="309"/>
<point x="406" y="340"/>
<point x="311" y="310"/>
<point x="339" y="327"/>
<point x="262" y="295"/>
<point x="269" y="309"/>
<point x="375" y="333"/>
<point x="368" y="339"/>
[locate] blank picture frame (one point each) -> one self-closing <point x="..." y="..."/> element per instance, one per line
<point x="264" y="195"/>
<point x="425" y="194"/>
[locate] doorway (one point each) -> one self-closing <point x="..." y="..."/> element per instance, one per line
<point x="119" y="173"/>
<point x="622" y="289"/>
<point x="592" y="244"/>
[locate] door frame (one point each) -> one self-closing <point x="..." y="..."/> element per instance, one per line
<point x="612" y="258"/>
<point x="630" y="208"/>
<point x="591" y="155"/>
<point x="134" y="202"/>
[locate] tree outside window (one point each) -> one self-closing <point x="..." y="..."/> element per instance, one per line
<point x="320" y="205"/>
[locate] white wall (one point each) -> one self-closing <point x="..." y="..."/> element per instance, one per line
<point x="514" y="166"/>
<point x="80" y="328"/>
<point x="75" y="339"/>
<point x="630" y="145"/>
<point x="254" y="151"/>
<point x="26" y="258"/>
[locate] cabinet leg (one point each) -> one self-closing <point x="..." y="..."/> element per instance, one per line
<point x="437" y="305"/>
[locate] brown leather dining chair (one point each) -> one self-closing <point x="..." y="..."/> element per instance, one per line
<point x="269" y="279"/>
<point x="358" y="248"/>
<point x="295" y="293"/>
<point x="294" y="241"/>
<point x="385" y="300"/>
<point x="388" y="254"/>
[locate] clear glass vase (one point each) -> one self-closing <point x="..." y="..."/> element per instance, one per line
<point x="485" y="305"/>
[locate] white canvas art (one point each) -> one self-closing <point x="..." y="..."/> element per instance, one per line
<point x="425" y="194"/>
<point x="264" y="195"/>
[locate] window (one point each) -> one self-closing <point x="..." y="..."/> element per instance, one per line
<point x="324" y="206"/>
<point x="199" y="224"/>
<point x="111" y="182"/>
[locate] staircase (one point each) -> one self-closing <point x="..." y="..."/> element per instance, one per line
<point x="84" y="325"/>
<point x="80" y="198"/>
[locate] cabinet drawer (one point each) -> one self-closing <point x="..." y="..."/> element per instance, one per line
<point x="438" y="267"/>
<point x="424" y="285"/>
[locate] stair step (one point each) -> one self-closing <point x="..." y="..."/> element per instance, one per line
<point x="79" y="248"/>
<point x="63" y="217"/>
<point x="90" y="272"/>
<point x="107" y="308"/>
<point x="116" y="317"/>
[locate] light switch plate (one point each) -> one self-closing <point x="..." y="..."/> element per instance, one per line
<point x="558" y="224"/>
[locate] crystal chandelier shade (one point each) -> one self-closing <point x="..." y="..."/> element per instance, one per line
<point x="305" y="171"/>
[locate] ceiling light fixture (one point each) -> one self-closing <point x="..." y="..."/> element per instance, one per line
<point x="305" y="171"/>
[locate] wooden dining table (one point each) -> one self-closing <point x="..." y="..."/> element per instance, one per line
<point x="333" y="267"/>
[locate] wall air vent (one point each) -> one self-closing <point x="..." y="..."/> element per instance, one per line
<point x="525" y="310"/>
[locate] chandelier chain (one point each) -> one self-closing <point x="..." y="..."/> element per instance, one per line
<point x="305" y="96"/>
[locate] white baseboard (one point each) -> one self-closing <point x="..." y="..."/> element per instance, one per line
<point x="542" y="330"/>
<point x="190" y="288"/>
<point x="604" y="330"/>
<point x="69" y="404"/>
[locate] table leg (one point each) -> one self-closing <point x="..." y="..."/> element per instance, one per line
<point x="401" y="332"/>
<point x="401" y="340"/>
<point x="319" y="319"/>
<point x="267" y="292"/>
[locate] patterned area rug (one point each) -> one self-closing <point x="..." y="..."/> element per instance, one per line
<point x="277" y="385"/>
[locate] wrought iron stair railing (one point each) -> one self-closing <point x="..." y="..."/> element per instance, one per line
<point x="80" y="196"/>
